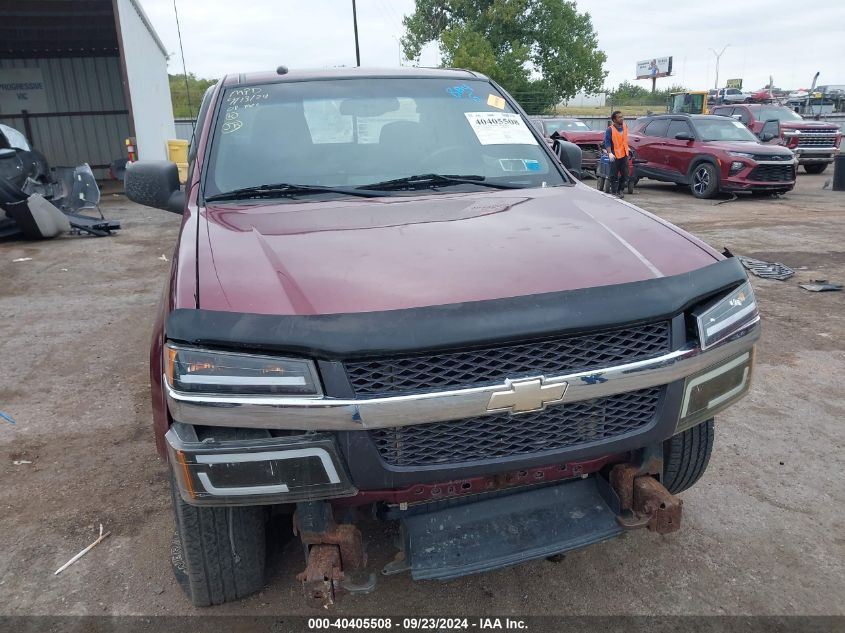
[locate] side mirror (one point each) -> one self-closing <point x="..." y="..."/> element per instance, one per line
<point x="770" y="130"/>
<point x="569" y="155"/>
<point x="683" y="136"/>
<point x="155" y="183"/>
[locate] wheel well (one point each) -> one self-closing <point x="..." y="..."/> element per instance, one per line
<point x="703" y="159"/>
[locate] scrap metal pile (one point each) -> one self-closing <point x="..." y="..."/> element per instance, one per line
<point x="39" y="202"/>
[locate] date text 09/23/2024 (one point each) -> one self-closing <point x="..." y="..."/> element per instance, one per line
<point x="417" y="624"/>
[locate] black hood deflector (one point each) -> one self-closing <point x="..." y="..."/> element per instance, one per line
<point x="460" y="325"/>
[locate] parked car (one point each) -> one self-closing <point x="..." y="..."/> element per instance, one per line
<point x="815" y="143"/>
<point x="734" y="95"/>
<point x="710" y="154"/>
<point x="387" y="295"/>
<point x="574" y="131"/>
<point x="766" y="95"/>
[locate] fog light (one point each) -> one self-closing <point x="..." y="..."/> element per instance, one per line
<point x="737" y="166"/>
<point x="714" y="389"/>
<point x="275" y="470"/>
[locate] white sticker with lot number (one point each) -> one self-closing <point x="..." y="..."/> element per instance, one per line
<point x="500" y="128"/>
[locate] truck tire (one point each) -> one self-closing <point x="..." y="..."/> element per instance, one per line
<point x="815" y="168"/>
<point x="223" y="549"/>
<point x="705" y="180"/>
<point x="686" y="455"/>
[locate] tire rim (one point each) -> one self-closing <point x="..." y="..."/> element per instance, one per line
<point x="701" y="180"/>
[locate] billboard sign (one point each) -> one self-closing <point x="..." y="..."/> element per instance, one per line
<point x="22" y="89"/>
<point x="734" y="83"/>
<point x="654" y="67"/>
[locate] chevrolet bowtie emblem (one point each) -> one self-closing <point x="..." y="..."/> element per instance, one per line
<point x="528" y="394"/>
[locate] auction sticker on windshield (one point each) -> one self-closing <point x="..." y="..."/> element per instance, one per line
<point x="500" y="128"/>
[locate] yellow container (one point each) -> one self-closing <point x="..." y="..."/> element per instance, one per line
<point x="177" y="151"/>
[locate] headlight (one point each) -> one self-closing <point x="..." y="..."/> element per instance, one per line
<point x="710" y="391"/>
<point x="741" y="154"/>
<point x="718" y="320"/>
<point x="204" y="371"/>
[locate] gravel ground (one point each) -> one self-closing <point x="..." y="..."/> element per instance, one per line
<point x="763" y="531"/>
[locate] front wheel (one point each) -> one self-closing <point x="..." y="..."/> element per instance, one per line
<point x="686" y="455"/>
<point x="815" y="168"/>
<point x="705" y="181"/>
<point x="223" y="549"/>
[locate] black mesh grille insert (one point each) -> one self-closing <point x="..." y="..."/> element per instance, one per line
<point x="458" y="369"/>
<point x="772" y="173"/>
<point x="503" y="435"/>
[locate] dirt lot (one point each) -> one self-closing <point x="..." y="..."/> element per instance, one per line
<point x="764" y="531"/>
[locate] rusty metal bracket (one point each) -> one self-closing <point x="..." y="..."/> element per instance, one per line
<point x="644" y="501"/>
<point x="332" y="551"/>
<point x="651" y="499"/>
<point x="321" y="576"/>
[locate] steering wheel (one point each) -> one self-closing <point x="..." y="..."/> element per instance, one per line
<point x="443" y="154"/>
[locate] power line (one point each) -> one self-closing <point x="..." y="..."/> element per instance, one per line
<point x="184" y="69"/>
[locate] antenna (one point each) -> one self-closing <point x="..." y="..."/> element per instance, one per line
<point x="184" y="71"/>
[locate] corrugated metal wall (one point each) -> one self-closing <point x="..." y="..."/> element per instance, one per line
<point x="184" y="128"/>
<point x="78" y="84"/>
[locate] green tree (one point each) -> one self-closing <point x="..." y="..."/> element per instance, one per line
<point x="180" y="97"/>
<point x="541" y="51"/>
<point x="628" y="93"/>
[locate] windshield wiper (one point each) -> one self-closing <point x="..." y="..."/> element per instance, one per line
<point x="422" y="181"/>
<point x="282" y="189"/>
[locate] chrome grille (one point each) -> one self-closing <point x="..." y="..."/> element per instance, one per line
<point x="504" y="435"/>
<point x="450" y="369"/>
<point x="817" y="140"/>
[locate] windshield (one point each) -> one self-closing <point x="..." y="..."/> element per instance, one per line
<point x="719" y="129"/>
<point x="566" y="125"/>
<point x="781" y="114"/>
<point x="359" y="132"/>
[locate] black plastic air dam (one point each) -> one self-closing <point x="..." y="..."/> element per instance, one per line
<point x="459" y="325"/>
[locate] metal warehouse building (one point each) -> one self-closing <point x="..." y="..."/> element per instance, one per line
<point x="79" y="77"/>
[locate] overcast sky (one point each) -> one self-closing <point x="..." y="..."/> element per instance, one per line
<point x="788" y="40"/>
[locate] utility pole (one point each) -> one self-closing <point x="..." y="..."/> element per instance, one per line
<point x="355" y="26"/>
<point x="718" y="57"/>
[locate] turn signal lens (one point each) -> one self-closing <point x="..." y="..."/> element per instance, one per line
<point x="192" y="370"/>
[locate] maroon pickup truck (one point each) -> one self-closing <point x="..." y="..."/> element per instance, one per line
<point x="590" y="141"/>
<point x="389" y="299"/>
<point x="814" y="143"/>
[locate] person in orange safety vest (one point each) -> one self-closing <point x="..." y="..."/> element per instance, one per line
<point x="616" y="143"/>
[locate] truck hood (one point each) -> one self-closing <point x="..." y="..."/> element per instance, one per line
<point x="811" y="126"/>
<point x="363" y="255"/>
<point x="593" y="136"/>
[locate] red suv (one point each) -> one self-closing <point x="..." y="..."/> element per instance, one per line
<point x="710" y="154"/>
